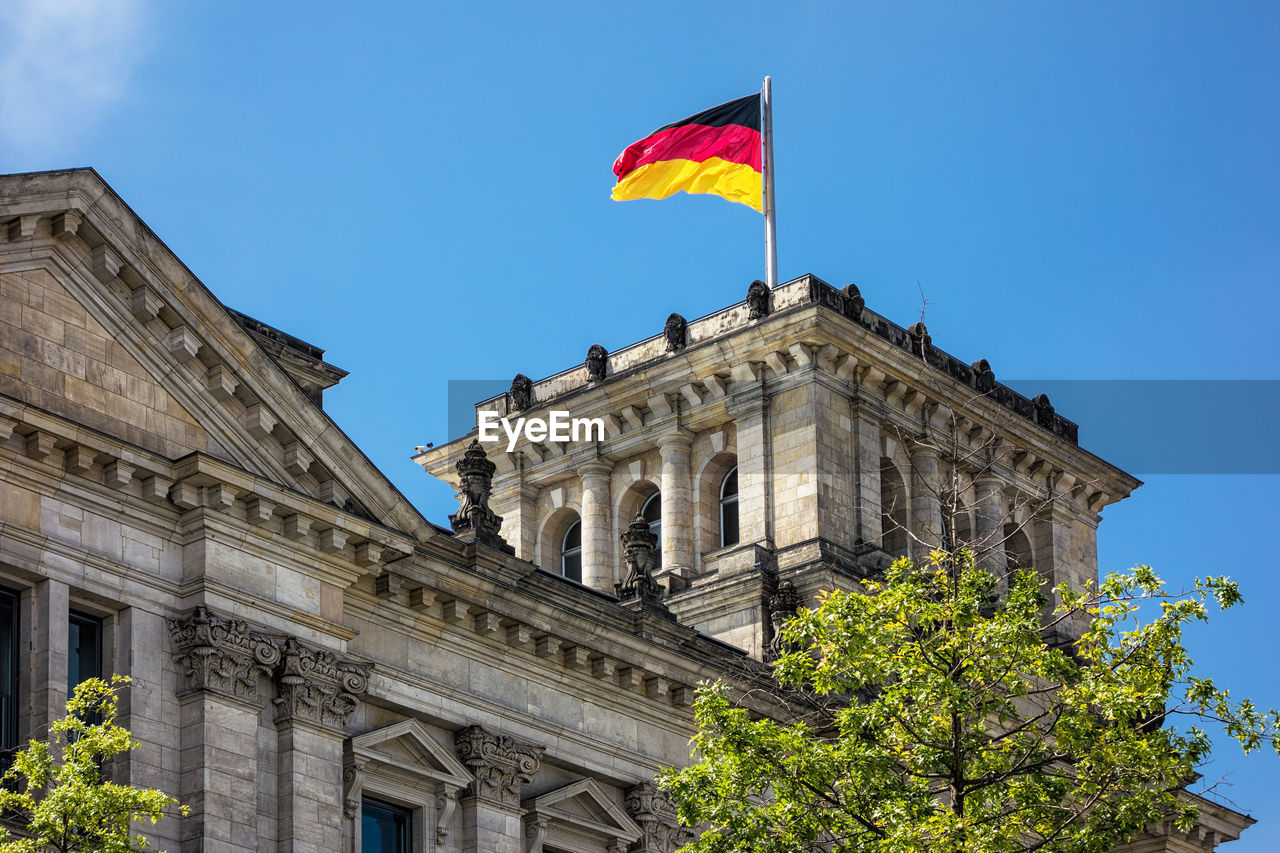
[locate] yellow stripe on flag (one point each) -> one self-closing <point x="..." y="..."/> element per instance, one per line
<point x="736" y="182"/>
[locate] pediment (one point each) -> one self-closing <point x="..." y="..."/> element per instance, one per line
<point x="408" y="746"/>
<point x="584" y="805"/>
<point x="101" y="324"/>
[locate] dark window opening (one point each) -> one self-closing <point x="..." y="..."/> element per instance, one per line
<point x="84" y="650"/>
<point x="729" y="509"/>
<point x="385" y="828"/>
<point x="571" y="552"/>
<point x="652" y="513"/>
<point x="8" y="678"/>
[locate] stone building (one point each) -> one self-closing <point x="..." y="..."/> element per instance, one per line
<point x="316" y="667"/>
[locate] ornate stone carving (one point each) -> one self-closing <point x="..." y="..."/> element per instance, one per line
<point x="521" y="392"/>
<point x="783" y="604"/>
<point x="983" y="377"/>
<point x="1044" y="410"/>
<point x="446" y="803"/>
<point x="499" y="764"/>
<point x="638" y="542"/>
<point x="597" y="363"/>
<point x="475" y="521"/>
<point x="653" y="811"/>
<point x="921" y="340"/>
<point x="675" y="331"/>
<point x="315" y="686"/>
<point x="757" y="300"/>
<point x="352" y="788"/>
<point x="853" y="301"/>
<point x="222" y="655"/>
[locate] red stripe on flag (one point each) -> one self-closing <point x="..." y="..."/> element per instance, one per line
<point x="732" y="143"/>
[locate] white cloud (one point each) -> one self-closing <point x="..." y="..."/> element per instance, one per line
<point x="63" y="64"/>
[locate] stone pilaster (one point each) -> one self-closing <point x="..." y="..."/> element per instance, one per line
<point x="677" y="505"/>
<point x="142" y="656"/>
<point x="866" y="452"/>
<point x="597" y="541"/>
<point x="491" y="813"/>
<point x="46" y="609"/>
<point x="222" y="663"/>
<point x="926" y="502"/>
<point x="750" y="415"/>
<point x="317" y="693"/>
<point x="988" y="534"/>
<point x="652" y="809"/>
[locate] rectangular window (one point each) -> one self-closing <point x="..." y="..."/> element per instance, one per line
<point x="385" y="828"/>
<point x="8" y="678"/>
<point x="84" y="650"/>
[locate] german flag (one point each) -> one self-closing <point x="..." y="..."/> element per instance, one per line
<point x="716" y="151"/>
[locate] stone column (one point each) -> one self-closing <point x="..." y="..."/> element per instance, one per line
<point x="491" y="813"/>
<point x="988" y="539"/>
<point x="222" y="662"/>
<point x="750" y="417"/>
<point x="677" y="504"/>
<point x="926" y="503"/>
<point x="46" y="612"/>
<point x="317" y="694"/>
<point x="597" y="526"/>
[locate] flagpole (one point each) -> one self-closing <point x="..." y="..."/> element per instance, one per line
<point x="770" y="225"/>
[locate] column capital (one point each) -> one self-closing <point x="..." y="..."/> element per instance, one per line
<point x="318" y="687"/>
<point x="676" y="439"/>
<point x="500" y="764"/>
<point x="594" y="468"/>
<point x="222" y="655"/>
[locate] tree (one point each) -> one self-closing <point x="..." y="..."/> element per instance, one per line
<point x="932" y="713"/>
<point x="57" y="790"/>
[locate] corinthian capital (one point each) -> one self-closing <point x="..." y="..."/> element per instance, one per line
<point x="222" y="655"/>
<point x="499" y="764"/>
<point x="316" y="686"/>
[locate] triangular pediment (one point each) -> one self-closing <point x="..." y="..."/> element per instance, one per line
<point x="585" y="805"/>
<point x="102" y="325"/>
<point x="408" y="746"/>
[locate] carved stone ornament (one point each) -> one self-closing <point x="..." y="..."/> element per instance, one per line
<point x="475" y="521"/>
<point x="499" y="764"/>
<point x="757" y="300"/>
<point x="1044" y="409"/>
<point x="653" y="811"/>
<point x="638" y="542"/>
<point x="352" y="788"/>
<point x="222" y="655"/>
<point x="783" y="604"/>
<point x="853" y="301"/>
<point x="921" y="340"/>
<point x="521" y="392"/>
<point x="984" y="379"/>
<point x="597" y="363"/>
<point x="675" y="331"/>
<point x="315" y="686"/>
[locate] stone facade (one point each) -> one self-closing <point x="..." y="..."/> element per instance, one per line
<point x="305" y="648"/>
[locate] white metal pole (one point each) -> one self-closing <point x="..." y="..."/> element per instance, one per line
<point x="770" y="225"/>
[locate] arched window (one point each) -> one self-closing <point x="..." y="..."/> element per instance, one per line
<point x="729" y="509"/>
<point x="652" y="513"/>
<point x="893" y="509"/>
<point x="571" y="552"/>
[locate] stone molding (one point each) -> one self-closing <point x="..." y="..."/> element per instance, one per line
<point x="226" y="657"/>
<point x="500" y="765"/>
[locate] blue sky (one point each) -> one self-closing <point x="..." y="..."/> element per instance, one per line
<point x="1082" y="191"/>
